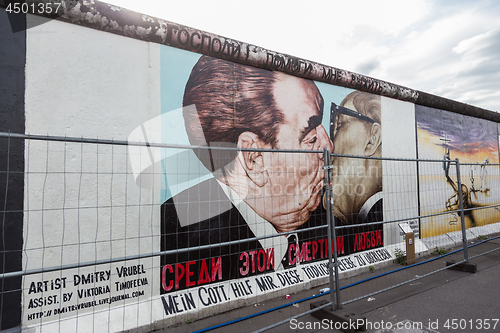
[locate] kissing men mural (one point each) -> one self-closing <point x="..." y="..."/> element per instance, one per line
<point x="240" y="195"/>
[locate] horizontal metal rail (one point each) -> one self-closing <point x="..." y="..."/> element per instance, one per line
<point x="202" y="247"/>
<point x="230" y="243"/>
<point x="147" y="255"/>
<point x="482" y="254"/>
<point x="403" y="283"/>
<point x="480" y="164"/>
<point x="294" y="317"/>
<point x="143" y="144"/>
<point x="421" y="276"/>
<point x="389" y="159"/>
<point x="398" y="220"/>
<point x="181" y="250"/>
<point x="478" y="208"/>
<point x="180" y="146"/>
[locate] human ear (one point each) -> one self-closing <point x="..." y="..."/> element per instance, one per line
<point x="252" y="161"/>
<point x="374" y="139"/>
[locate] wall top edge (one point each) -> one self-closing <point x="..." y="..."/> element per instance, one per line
<point x="110" y="18"/>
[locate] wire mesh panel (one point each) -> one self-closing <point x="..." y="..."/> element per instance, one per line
<point x="428" y="216"/>
<point x="480" y="188"/>
<point x="247" y="235"/>
<point x="83" y="222"/>
<point x="423" y="200"/>
<point x="398" y="216"/>
<point x="120" y="235"/>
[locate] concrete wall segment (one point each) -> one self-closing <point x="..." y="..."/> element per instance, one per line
<point x="107" y="85"/>
<point x="102" y="16"/>
<point x="106" y="80"/>
<point x="82" y="82"/>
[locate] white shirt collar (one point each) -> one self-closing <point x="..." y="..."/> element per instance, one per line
<point x="365" y="209"/>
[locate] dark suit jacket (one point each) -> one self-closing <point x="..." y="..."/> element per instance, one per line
<point x="203" y="215"/>
<point x="375" y="214"/>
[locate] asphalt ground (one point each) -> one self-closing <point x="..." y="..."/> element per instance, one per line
<point x="446" y="301"/>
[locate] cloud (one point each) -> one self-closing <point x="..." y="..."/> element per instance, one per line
<point x="450" y="54"/>
<point x="478" y="74"/>
<point x="367" y="67"/>
<point x="489" y="41"/>
<point x="479" y="55"/>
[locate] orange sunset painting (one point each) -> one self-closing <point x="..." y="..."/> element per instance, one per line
<point x="444" y="136"/>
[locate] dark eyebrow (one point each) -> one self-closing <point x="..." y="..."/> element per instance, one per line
<point x="312" y="123"/>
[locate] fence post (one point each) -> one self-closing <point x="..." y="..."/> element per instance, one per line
<point x="334" y="250"/>
<point x="328" y="195"/>
<point x="332" y="238"/>
<point x="462" y="216"/>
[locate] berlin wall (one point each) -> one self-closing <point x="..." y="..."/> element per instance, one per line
<point x="101" y="72"/>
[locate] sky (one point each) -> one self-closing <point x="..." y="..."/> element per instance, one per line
<point x="449" y="48"/>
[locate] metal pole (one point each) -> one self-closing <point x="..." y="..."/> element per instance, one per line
<point x="328" y="194"/>
<point x="334" y="236"/>
<point x="461" y="205"/>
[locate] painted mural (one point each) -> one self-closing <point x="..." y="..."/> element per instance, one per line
<point x="216" y="197"/>
<point x="442" y="134"/>
<point x="204" y="208"/>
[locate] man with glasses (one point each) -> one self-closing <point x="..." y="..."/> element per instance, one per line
<point x="253" y="193"/>
<point x="357" y="182"/>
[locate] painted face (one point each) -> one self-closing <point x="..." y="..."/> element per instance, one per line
<point x="349" y="133"/>
<point x="295" y="180"/>
<point x="349" y="175"/>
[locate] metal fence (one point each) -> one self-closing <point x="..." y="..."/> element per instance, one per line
<point x="113" y="235"/>
<point x="106" y="235"/>
<point x="444" y="206"/>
